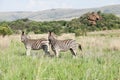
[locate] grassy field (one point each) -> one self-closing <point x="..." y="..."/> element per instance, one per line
<point x="101" y="61"/>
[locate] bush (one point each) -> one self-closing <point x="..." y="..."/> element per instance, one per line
<point x="5" y="30"/>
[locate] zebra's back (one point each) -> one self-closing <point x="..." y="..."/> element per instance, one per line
<point x="37" y="44"/>
<point x="64" y="45"/>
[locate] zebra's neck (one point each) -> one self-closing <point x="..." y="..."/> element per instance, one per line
<point x="53" y="41"/>
<point x="25" y="41"/>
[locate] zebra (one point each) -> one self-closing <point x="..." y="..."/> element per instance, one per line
<point x="62" y="45"/>
<point x="35" y="44"/>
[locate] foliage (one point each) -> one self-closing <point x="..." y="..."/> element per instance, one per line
<point x="79" y="26"/>
<point x="5" y="30"/>
<point x="108" y="22"/>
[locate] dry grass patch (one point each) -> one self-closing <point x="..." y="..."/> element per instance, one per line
<point x="4" y="42"/>
<point x="114" y="45"/>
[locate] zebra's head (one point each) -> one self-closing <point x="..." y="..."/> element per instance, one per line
<point x="51" y="36"/>
<point x="23" y="37"/>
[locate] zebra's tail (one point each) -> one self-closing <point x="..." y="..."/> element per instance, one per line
<point x="80" y="47"/>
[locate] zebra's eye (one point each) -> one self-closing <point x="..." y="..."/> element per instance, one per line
<point x="49" y="40"/>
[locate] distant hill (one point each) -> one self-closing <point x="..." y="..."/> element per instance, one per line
<point x="56" y="14"/>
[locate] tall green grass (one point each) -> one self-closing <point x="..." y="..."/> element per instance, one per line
<point x="98" y="63"/>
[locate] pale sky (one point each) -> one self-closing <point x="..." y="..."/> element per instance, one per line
<point x="38" y="5"/>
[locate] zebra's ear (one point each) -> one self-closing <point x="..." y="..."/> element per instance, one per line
<point x="23" y="32"/>
<point x="49" y="32"/>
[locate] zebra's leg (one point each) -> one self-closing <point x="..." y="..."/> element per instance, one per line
<point x="74" y="53"/>
<point x="46" y="49"/>
<point x="56" y="53"/>
<point x="28" y="51"/>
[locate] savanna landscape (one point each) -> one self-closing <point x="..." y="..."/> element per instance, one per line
<point x="95" y="28"/>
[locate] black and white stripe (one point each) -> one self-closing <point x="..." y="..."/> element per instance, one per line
<point x="63" y="45"/>
<point x="35" y="44"/>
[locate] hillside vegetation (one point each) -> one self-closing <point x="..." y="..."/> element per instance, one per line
<point x="56" y="14"/>
<point x="79" y="26"/>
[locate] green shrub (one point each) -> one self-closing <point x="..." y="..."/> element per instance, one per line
<point x="5" y="30"/>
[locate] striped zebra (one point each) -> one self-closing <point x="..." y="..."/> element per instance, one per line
<point x="35" y="44"/>
<point x="63" y="45"/>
